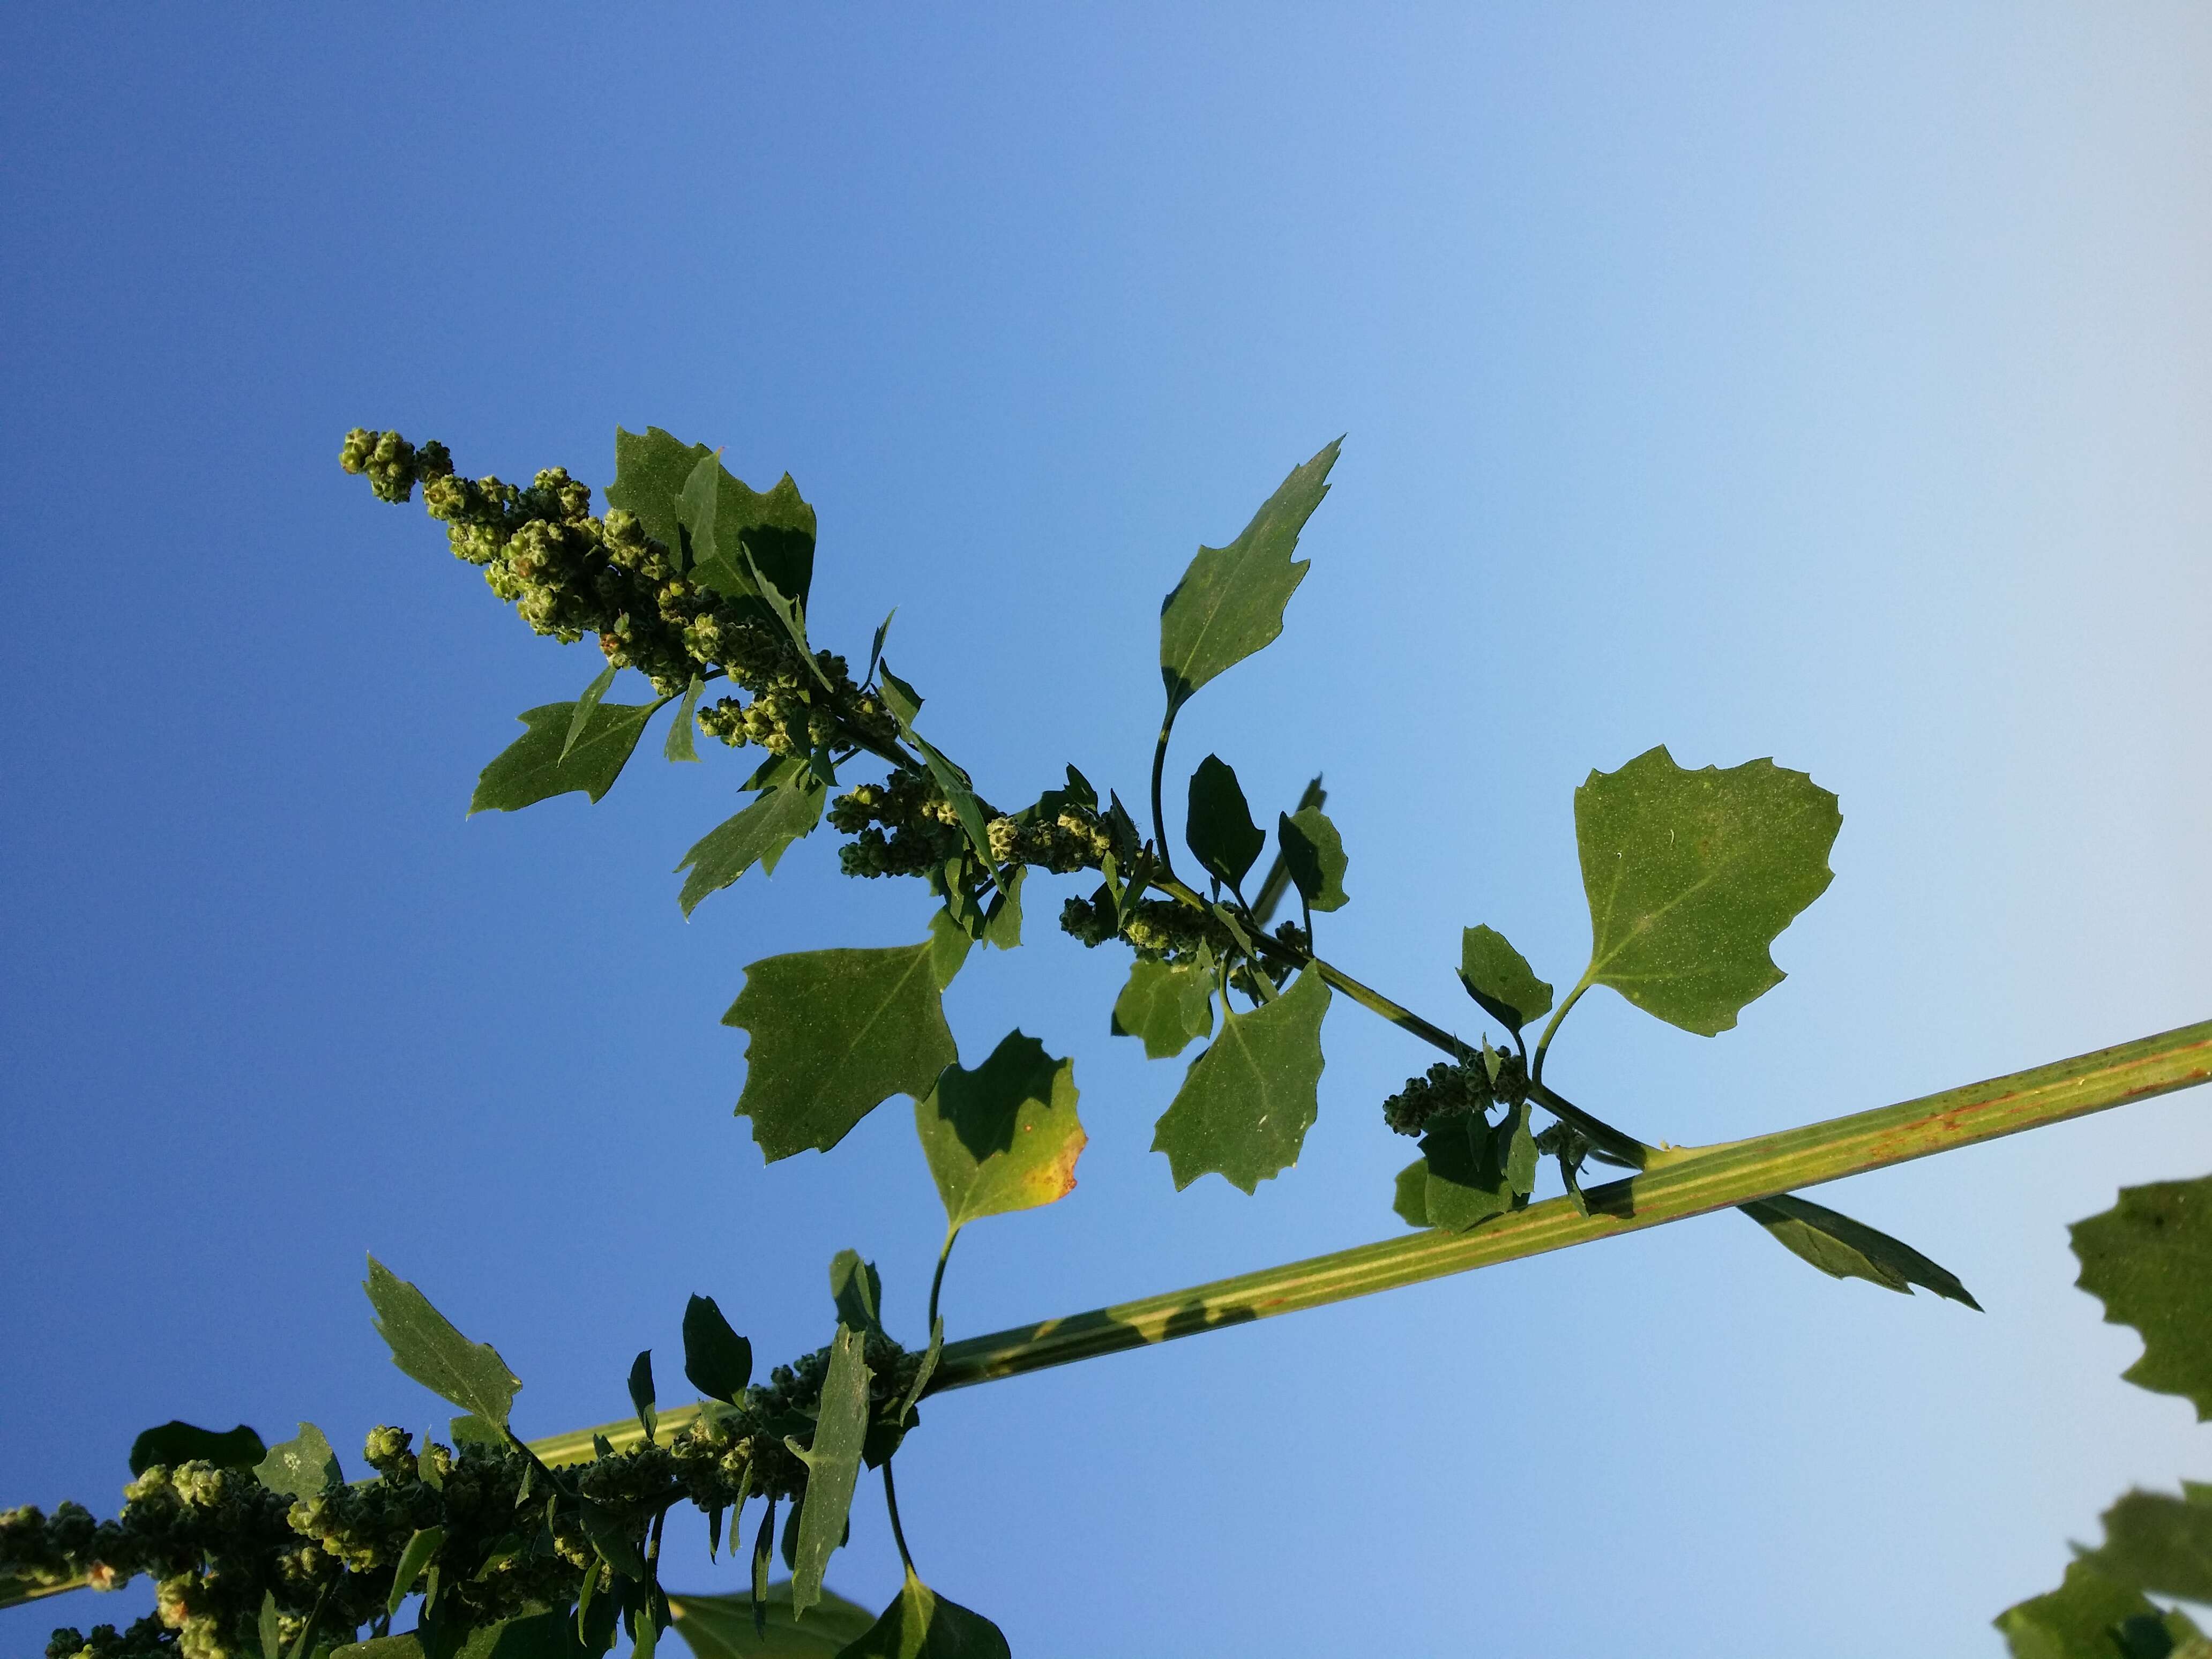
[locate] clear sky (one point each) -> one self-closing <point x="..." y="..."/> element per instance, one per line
<point x="1827" y="383"/>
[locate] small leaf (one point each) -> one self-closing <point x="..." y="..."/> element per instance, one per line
<point x="717" y="1361"/>
<point x="680" y="746"/>
<point x="1410" y="1201"/>
<point x="650" y="471"/>
<point x="1477" y="1169"/>
<point x="1691" y="875"/>
<point x="641" y="1397"/>
<point x="1166" y="1004"/>
<point x="2089" y="1617"/>
<point x="1844" y="1248"/>
<point x="949" y="945"/>
<point x="469" y="1430"/>
<point x="1313" y="853"/>
<point x="270" y="1627"/>
<point x="759" y="835"/>
<point x="428" y="1348"/>
<point x="1229" y="601"/>
<point x="857" y="1290"/>
<point x="833" y="1465"/>
<point x="1005" y="1136"/>
<point x="953" y="783"/>
<point x="301" y="1466"/>
<point x="923" y="1625"/>
<point x="420" y="1547"/>
<point x="1002" y="923"/>
<point x="1220" y="830"/>
<point x="615" y="1538"/>
<point x="176" y="1442"/>
<point x="1278" y="880"/>
<point x="721" y="1626"/>
<point x="2158" y="1543"/>
<point x="585" y="705"/>
<point x="2148" y="1259"/>
<point x="744" y="544"/>
<point x="1499" y="977"/>
<point x="835" y="1034"/>
<point x="533" y="768"/>
<point x="1246" y="1103"/>
<point x="876" y="650"/>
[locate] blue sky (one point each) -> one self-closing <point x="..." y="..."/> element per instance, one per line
<point x="1833" y="385"/>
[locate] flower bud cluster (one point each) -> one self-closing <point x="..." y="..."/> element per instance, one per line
<point x="903" y="826"/>
<point x="1073" y="839"/>
<point x="1454" y="1090"/>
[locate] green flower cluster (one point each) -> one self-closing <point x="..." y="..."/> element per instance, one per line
<point x="1454" y="1090"/>
<point x="903" y="826"/>
<point x="1073" y="839"/>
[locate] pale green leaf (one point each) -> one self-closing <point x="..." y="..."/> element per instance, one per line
<point x="833" y="1034"/>
<point x="1844" y="1248"/>
<point x="1002" y="923"/>
<point x="1410" y="1202"/>
<point x="949" y="945"/>
<point x="532" y="768"/>
<point x="2159" y="1543"/>
<point x="1230" y="599"/>
<point x="1313" y="853"/>
<point x="2148" y="1259"/>
<point x="301" y="1467"/>
<point x="582" y="716"/>
<point x="1220" y="830"/>
<point x="2091" y="1617"/>
<point x="425" y="1543"/>
<point x="1166" y="1004"/>
<point x="1246" y="1103"/>
<point x="923" y="1625"/>
<point x="721" y="1626"/>
<point x="1691" y="876"/>
<point x="425" y="1347"/>
<point x="680" y="746"/>
<point x="759" y="835"/>
<point x="1499" y="977"/>
<point x="833" y="1465"/>
<point x="1005" y="1136"/>
<point x="270" y="1627"/>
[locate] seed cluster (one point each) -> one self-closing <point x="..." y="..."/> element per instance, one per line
<point x="1449" y="1089"/>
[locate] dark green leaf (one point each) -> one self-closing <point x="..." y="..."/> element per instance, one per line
<point x="833" y="1465"/>
<point x="469" y="1430"/>
<point x="1220" y="830"/>
<point x="1002" y="923"/>
<point x="721" y="1626"/>
<point x="618" y="1539"/>
<point x="680" y="746"/>
<point x="2090" y="1617"/>
<point x="530" y="768"/>
<point x="1477" y="1169"/>
<point x="1499" y="977"/>
<point x="717" y="1361"/>
<point x="382" y="1647"/>
<point x="2148" y="1259"/>
<point x="952" y="782"/>
<point x="1166" y="1004"/>
<point x="426" y="1543"/>
<point x="585" y="706"/>
<point x="876" y="650"/>
<point x="301" y="1467"/>
<point x="1844" y="1248"/>
<point x="835" y="1034"/>
<point x="857" y="1290"/>
<point x="758" y="834"/>
<point x="2157" y="1542"/>
<point x="1691" y="875"/>
<point x="549" y="1635"/>
<point x="1005" y="1136"/>
<point x="650" y="473"/>
<point x="1410" y="1201"/>
<point x="1230" y="601"/>
<point x="746" y="545"/>
<point x="1278" y="880"/>
<point x="1246" y="1103"/>
<point x="428" y="1348"/>
<point x="176" y="1442"/>
<point x="922" y="1625"/>
<point x="641" y="1397"/>
<point x="1314" y="853"/>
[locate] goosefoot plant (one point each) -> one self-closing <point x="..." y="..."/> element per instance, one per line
<point x="701" y="585"/>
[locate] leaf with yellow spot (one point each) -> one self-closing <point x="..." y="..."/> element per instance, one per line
<point x="1005" y="1136"/>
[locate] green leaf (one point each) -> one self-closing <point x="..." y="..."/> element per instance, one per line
<point x="952" y="782"/>
<point x="428" y="1348"/>
<point x="650" y="473"/>
<point x="2148" y="1259"/>
<point x="1005" y="1136"/>
<point x="469" y="1430"/>
<point x="923" y="1625"/>
<point x="1477" y="1169"/>
<point x="1313" y="853"/>
<point x="301" y="1467"/>
<point x="856" y="1290"/>
<point x="426" y="1543"/>
<point x="721" y="1626"/>
<point x="876" y="650"/>
<point x="717" y="1361"/>
<point x="2159" y="1543"/>
<point x="1230" y="599"/>
<point x="1844" y="1248"/>
<point x="270" y="1627"/>
<point x="533" y="768"/>
<point x="680" y="746"/>
<point x="949" y="945"/>
<point x="1499" y="977"/>
<point x="1246" y="1103"/>
<point x="2090" y="1617"/>
<point x="1411" y="1200"/>
<point x="1221" y="830"/>
<point x="1278" y="880"/>
<point x="1691" y="875"/>
<point x="641" y="1397"/>
<point x="834" y="1034"/>
<point x="617" y="1538"/>
<point x="585" y="705"/>
<point x="178" y="1442"/>
<point x="747" y="545"/>
<point x="1002" y="923"/>
<point x="759" y="835"/>
<point x="1166" y="1004"/>
<point x="833" y="1465"/>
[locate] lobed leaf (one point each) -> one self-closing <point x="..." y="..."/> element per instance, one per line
<point x="1220" y="830"/>
<point x="2148" y="1259"/>
<point x="1477" y="1169"/>
<point x="1314" y="854"/>
<point x="425" y="1347"/>
<point x="543" y="763"/>
<point x="1844" y="1248"/>
<point x="2159" y="1543"/>
<point x="1246" y="1103"/>
<point x="1166" y="1004"/>
<point x="1691" y="875"/>
<point x="2090" y="1617"/>
<point x="923" y="1625"/>
<point x="721" y="1626"/>
<point x="833" y="1465"/>
<point x="1005" y="1136"/>
<point x="301" y="1467"/>
<point x="1410" y="1199"/>
<point x="717" y="1361"/>
<point x="759" y="835"/>
<point x="743" y="544"/>
<point x="1229" y="601"/>
<point x="1500" y="979"/>
<point x="178" y="1442"/>
<point x="834" y="1034"/>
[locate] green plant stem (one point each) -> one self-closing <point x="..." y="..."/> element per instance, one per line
<point x="937" y="1280"/>
<point x="1159" y="818"/>
<point x="1544" y="1042"/>
<point x="890" y="1506"/>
